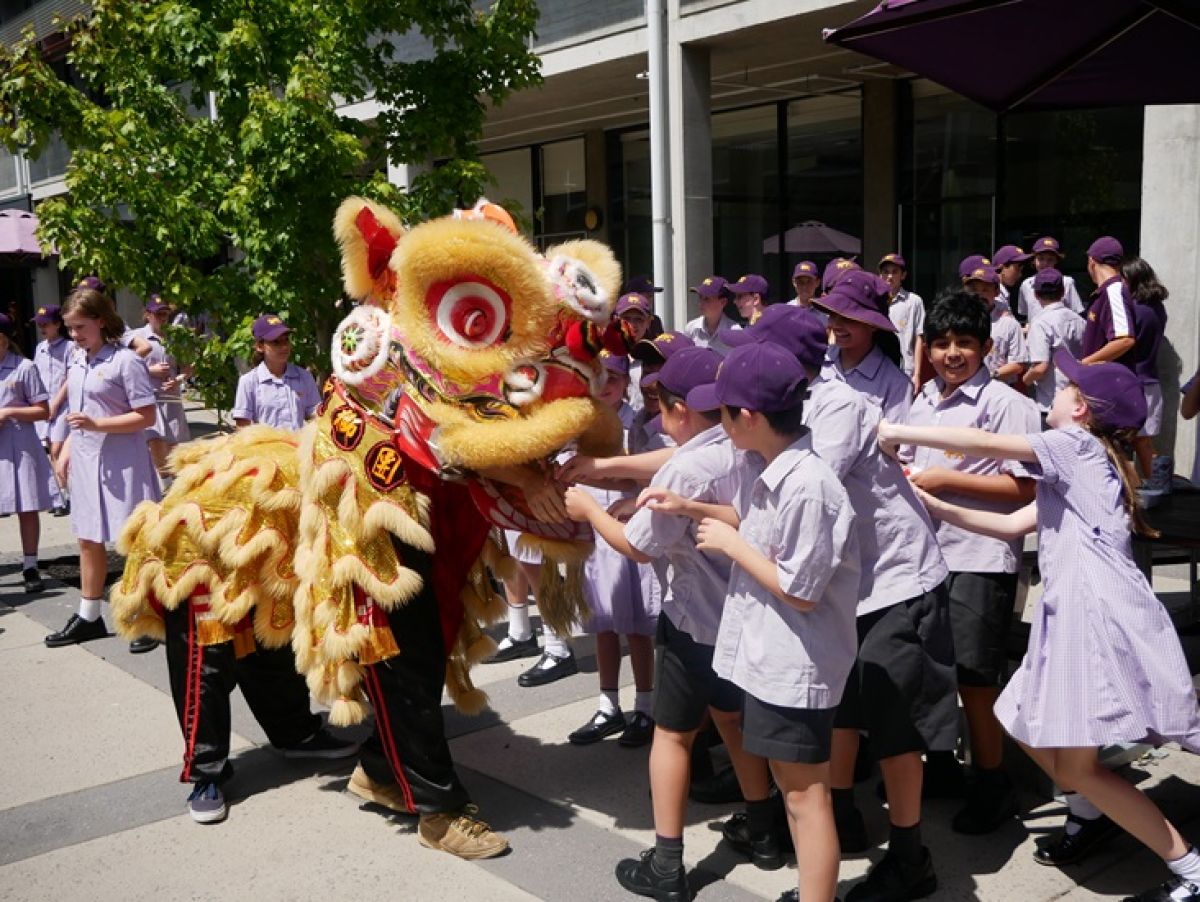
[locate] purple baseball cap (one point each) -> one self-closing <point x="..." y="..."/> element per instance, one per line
<point x="806" y="268"/>
<point x="1113" y="392"/>
<point x="1107" y="250"/>
<point x="686" y="370"/>
<point x="661" y="347"/>
<point x="750" y="283"/>
<point x="633" y="301"/>
<point x="92" y="283"/>
<point x="50" y="313"/>
<point x="760" y="376"/>
<point x="1048" y="281"/>
<point x="972" y="263"/>
<point x="269" y="327"/>
<point x="711" y="287"/>
<point x="615" y="363"/>
<point x="1048" y="245"/>
<point x="895" y="260"/>
<point x="860" y="296"/>
<point x="1010" y="253"/>
<point x="834" y="270"/>
<point x="641" y="285"/>
<point x="156" y="303"/>
<point x="797" y="330"/>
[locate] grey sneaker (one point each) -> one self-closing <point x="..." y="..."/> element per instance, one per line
<point x="206" y="804"/>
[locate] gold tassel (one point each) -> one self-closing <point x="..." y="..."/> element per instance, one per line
<point x="379" y="645"/>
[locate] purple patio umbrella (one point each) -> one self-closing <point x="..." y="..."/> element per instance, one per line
<point x="1040" y="54"/>
<point x="17" y="237"/>
<point x="813" y="238"/>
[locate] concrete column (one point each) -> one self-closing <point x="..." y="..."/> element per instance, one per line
<point x="1170" y="236"/>
<point x="881" y="119"/>
<point x="691" y="172"/>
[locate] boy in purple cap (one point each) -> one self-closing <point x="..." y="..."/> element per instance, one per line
<point x="1058" y="327"/>
<point x="750" y="295"/>
<point x="983" y="571"/>
<point x="1008" y="357"/>
<point x="635" y="309"/>
<point x="276" y="393"/>
<point x="50" y="357"/>
<point x="907" y="311"/>
<point x="704" y="330"/>
<point x="1010" y="263"/>
<point x="1104" y="664"/>
<point x="170" y="424"/>
<point x="806" y="279"/>
<point x="1047" y="253"/>
<point x="1111" y="319"/>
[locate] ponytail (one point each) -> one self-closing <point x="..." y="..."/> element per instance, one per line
<point x="1118" y="444"/>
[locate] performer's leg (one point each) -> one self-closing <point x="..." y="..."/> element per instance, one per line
<point x="277" y="696"/>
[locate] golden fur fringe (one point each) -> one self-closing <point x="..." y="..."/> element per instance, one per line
<point x="466" y="442"/>
<point x="356" y="275"/>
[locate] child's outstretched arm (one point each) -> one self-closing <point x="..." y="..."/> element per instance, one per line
<point x="717" y="535"/>
<point x="973" y="442"/>
<point x="667" y="502"/>
<point x="583" y="507"/>
<point x="638" y="467"/>
<point x="1005" y="527"/>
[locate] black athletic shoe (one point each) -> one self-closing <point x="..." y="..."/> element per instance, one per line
<point x="62" y="511"/>
<point x="600" y="726"/>
<point x="1067" y="848"/>
<point x="511" y="649"/>
<point x="77" y="630"/>
<point x="548" y="669"/>
<point x="763" y="849"/>
<point x="892" y="880"/>
<point x="322" y="744"/>
<point x="991" y="803"/>
<point x="143" y="644"/>
<point x="33" y="581"/>
<point x="639" y="877"/>
<point x="1177" y="889"/>
<point x="638" y="732"/>
<point x="720" y="789"/>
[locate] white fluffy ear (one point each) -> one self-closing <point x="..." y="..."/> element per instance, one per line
<point x="367" y="234"/>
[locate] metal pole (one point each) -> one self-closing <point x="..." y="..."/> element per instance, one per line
<point x="660" y="155"/>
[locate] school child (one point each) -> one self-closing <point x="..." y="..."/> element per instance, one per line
<point x="635" y="309"/>
<point x="1149" y="328"/>
<point x="1057" y="327"/>
<point x="104" y="461"/>
<point x="902" y="688"/>
<point x="703" y="470"/>
<point x="705" y="330"/>
<point x="50" y="358"/>
<point x="170" y="424"/>
<point x="1008" y="357"/>
<point x="644" y="285"/>
<point x="906" y="310"/>
<point x="1111" y="319"/>
<point x="983" y="571"/>
<point x="1047" y="253"/>
<point x="276" y="392"/>
<point x="865" y="352"/>
<point x="805" y="280"/>
<point x="624" y="600"/>
<point x="1010" y="263"/>
<point x="1104" y="664"/>
<point x="787" y="636"/>
<point x="24" y="469"/>
<point x="750" y="295"/>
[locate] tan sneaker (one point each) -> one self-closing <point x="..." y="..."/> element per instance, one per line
<point x="389" y="795"/>
<point x="462" y="835"/>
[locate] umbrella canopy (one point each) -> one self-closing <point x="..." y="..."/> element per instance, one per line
<point x="813" y="238"/>
<point x="17" y="233"/>
<point x="1040" y="54"/>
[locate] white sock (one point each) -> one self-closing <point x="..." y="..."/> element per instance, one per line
<point x="609" y="703"/>
<point x="30" y="562"/>
<point x="556" y="645"/>
<point x="89" y="609"/>
<point x="1081" y="807"/>
<point x="519" y="627"/>
<point x="643" y="702"/>
<point x="1188" y="866"/>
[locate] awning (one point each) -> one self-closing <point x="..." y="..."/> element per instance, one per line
<point x="813" y="238"/>
<point x="1040" y="54"/>
<point x="17" y="233"/>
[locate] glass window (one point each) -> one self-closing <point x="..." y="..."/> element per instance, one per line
<point x="513" y="187"/>
<point x="630" y="210"/>
<point x="564" y="192"/>
<point x="52" y="163"/>
<point x="9" y="178"/>
<point x="746" y="207"/>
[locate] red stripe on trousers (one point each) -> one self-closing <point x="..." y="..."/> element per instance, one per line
<point x="191" y="707"/>
<point x="385" y="733"/>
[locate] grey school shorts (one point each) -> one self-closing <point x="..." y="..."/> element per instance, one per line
<point x="794" y="735"/>
<point x="687" y="684"/>
<point x="981" y="612"/>
<point x="902" y="690"/>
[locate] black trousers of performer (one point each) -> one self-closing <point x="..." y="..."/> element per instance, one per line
<point x="202" y="677"/>
<point x="409" y="745"/>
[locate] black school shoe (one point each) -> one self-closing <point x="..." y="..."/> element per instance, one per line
<point x="511" y="649"/>
<point x="1068" y="848"/>
<point x="33" y="581"/>
<point x="599" y="727"/>
<point x="548" y="669"/>
<point x="765" y="850"/>
<point x="892" y="880"/>
<point x="77" y="630"/>
<point x="991" y="803"/>
<point x="322" y="745"/>
<point x="143" y="644"/>
<point x="720" y="789"/>
<point x="638" y="732"/>
<point x="639" y="877"/>
<point x="1177" y="889"/>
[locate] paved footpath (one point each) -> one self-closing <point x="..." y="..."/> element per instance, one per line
<point x="90" y="806"/>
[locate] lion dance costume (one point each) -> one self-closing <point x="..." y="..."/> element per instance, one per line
<point x="366" y="539"/>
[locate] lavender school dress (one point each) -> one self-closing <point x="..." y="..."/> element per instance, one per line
<point x="24" y="468"/>
<point x="170" y="423"/>
<point x="1104" y="663"/>
<point x="110" y="474"/>
<point x="50" y="358"/>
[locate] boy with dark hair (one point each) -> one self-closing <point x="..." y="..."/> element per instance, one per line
<point x="1057" y="327"/>
<point x="983" y="571"/>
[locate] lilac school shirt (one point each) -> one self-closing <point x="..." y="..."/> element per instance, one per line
<point x="1030" y="308"/>
<point x="1057" y="327"/>
<point x="701" y="337"/>
<point x="907" y="313"/>
<point x="1008" y="343"/>
<point x="284" y="403"/>
<point x="50" y="358"/>
<point x="980" y="403"/>
<point x="1149" y="327"/>
<point x="796" y="513"/>
<point x="876" y="377"/>
<point x="706" y="468"/>
<point x="1111" y="316"/>
<point x="896" y="541"/>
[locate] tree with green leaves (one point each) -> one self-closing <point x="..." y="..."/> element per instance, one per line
<point x="208" y="156"/>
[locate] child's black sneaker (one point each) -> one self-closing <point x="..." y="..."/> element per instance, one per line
<point x="893" y="880"/>
<point x="764" y="850"/>
<point x="640" y="877"/>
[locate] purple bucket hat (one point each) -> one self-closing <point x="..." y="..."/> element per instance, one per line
<point x="859" y="296"/>
<point x="1113" y="392"/>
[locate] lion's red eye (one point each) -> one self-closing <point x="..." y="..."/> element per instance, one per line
<point x="472" y="313"/>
